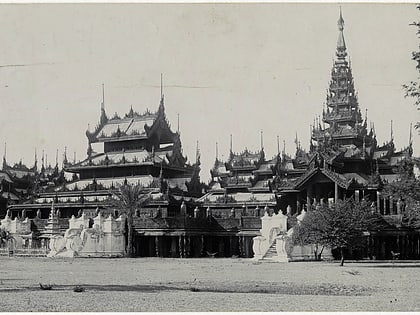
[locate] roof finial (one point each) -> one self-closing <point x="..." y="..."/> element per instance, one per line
<point x="262" y="140"/>
<point x="197" y="154"/>
<point x="65" y="161"/>
<point x="103" y="98"/>
<point x="410" y="139"/>
<point x="5" y="151"/>
<point x="56" y="157"/>
<point x="340" y="22"/>
<point x="278" y="145"/>
<point x="217" y="151"/>
<point x="284" y="147"/>
<point x="231" y="147"/>
<point x="161" y="85"/>
<point x="35" y="161"/>
<point x="178" y="123"/>
<point x="392" y="132"/>
<point x="341" y="44"/>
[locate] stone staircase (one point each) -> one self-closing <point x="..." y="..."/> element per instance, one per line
<point x="271" y="252"/>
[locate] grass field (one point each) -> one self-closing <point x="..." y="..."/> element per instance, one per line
<point x="153" y="284"/>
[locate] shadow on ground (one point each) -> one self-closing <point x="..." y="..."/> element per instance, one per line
<point x="284" y="289"/>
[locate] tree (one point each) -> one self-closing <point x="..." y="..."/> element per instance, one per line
<point x="128" y="200"/>
<point x="413" y="88"/>
<point x="338" y="226"/>
<point x="407" y="190"/>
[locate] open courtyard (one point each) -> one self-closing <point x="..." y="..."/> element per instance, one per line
<point x="153" y="284"/>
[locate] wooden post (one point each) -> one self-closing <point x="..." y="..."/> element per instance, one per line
<point x="202" y="246"/>
<point x="180" y="246"/>
<point x="185" y="247"/>
<point x="157" y="245"/>
<point x="335" y="192"/>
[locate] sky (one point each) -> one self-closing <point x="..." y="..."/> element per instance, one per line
<point x="227" y="69"/>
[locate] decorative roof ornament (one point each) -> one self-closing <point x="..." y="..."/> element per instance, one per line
<point x="341" y="44"/>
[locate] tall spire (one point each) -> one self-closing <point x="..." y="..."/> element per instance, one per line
<point x="262" y="140"/>
<point x="103" y="119"/>
<point x="231" y="146"/>
<point x="161" y="85"/>
<point x="162" y="96"/>
<point x="410" y="139"/>
<point x="278" y="145"/>
<point x="217" y="151"/>
<point x="392" y="132"/>
<point x="35" y="162"/>
<point x="178" y="123"/>
<point x="103" y="98"/>
<point x="65" y="161"/>
<point x="341" y="44"/>
<point x="4" y="156"/>
<point x="197" y="154"/>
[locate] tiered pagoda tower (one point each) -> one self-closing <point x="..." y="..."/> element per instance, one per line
<point x="344" y="159"/>
<point x="345" y="124"/>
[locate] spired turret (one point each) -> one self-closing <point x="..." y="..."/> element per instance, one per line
<point x="343" y="116"/>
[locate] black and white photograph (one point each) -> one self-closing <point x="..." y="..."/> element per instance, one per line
<point x="209" y="157"/>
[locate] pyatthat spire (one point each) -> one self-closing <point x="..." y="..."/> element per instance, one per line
<point x="35" y="167"/>
<point x="4" y="156"/>
<point x="341" y="44"/>
<point x="103" y="118"/>
<point x="162" y="96"/>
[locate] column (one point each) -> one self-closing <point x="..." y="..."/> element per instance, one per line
<point x="391" y="205"/>
<point x="357" y="195"/>
<point x="240" y="246"/>
<point x="173" y="246"/>
<point x="157" y="245"/>
<point x="188" y="247"/>
<point x="335" y="192"/>
<point x="202" y="246"/>
<point x="185" y="247"/>
<point x="378" y="201"/>
<point x="180" y="243"/>
<point x="308" y="197"/>
<point x="399" y="206"/>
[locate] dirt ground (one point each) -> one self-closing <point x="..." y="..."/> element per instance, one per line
<point x="162" y="285"/>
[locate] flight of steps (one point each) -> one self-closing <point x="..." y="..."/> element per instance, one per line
<point x="271" y="252"/>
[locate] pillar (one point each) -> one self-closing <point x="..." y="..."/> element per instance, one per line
<point x="157" y="245"/>
<point x="357" y="195"/>
<point x="185" y="247"/>
<point x="378" y="201"/>
<point x="399" y="206"/>
<point x="308" y="197"/>
<point x="180" y="243"/>
<point x="173" y="246"/>
<point x="202" y="246"/>
<point x="335" y="192"/>
<point x="391" y="205"/>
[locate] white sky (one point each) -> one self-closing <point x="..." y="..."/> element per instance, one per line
<point x="228" y="69"/>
